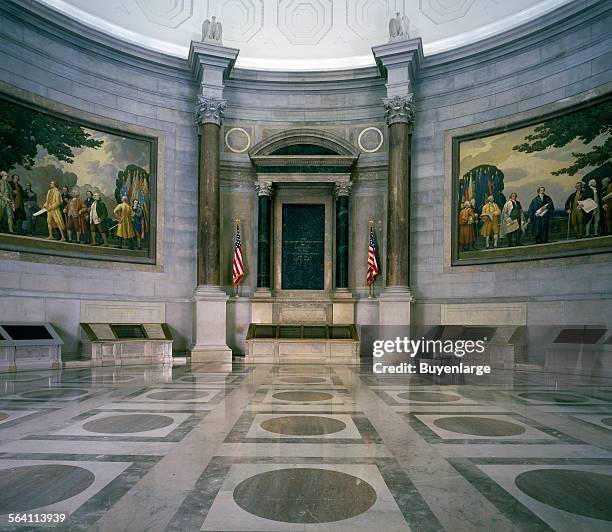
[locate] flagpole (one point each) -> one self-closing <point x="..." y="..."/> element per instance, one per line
<point x="371" y="284"/>
<point x="237" y="220"/>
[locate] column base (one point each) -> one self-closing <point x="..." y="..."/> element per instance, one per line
<point x="395" y="305"/>
<point x="209" y="353"/>
<point x="262" y="306"/>
<point x="210" y="326"/>
<point x="343" y="307"/>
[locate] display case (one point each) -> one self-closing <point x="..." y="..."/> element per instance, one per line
<point x="293" y="344"/>
<point x="579" y="351"/>
<point x="125" y="344"/>
<point x="26" y="346"/>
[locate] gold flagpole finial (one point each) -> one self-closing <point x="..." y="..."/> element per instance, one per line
<point x="237" y="220"/>
<point x="371" y="222"/>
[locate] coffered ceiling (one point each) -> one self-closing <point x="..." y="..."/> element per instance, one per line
<point x="302" y="34"/>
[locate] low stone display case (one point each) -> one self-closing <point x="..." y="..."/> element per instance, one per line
<point x="302" y="344"/>
<point x="502" y="346"/>
<point x="126" y="344"/>
<point x="25" y="346"/>
<point x="580" y="351"/>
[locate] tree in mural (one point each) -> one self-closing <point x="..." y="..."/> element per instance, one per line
<point x="482" y="181"/>
<point x="22" y="130"/>
<point x="586" y="125"/>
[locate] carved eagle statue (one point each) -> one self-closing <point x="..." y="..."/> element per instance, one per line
<point x="398" y="27"/>
<point x="212" y="30"/>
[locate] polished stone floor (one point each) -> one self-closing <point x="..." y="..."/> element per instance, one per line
<point x="282" y="448"/>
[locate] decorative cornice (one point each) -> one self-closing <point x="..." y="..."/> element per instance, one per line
<point x="399" y="109"/>
<point x="342" y="189"/>
<point x="264" y="188"/>
<point x="210" y="110"/>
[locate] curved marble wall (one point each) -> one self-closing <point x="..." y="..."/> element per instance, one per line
<point x="45" y="64"/>
<point x="559" y="61"/>
<point x="548" y="64"/>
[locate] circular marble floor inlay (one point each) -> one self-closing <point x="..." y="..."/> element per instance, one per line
<point x="303" y="425"/>
<point x="128" y="423"/>
<point x="553" y="397"/>
<point x="303" y="380"/>
<point x="28" y="487"/>
<point x="303" y="396"/>
<point x="54" y="393"/>
<point x="180" y="395"/>
<point x="578" y="492"/>
<point x="479" y="426"/>
<point x="304" y="495"/>
<point x="3" y="416"/>
<point x="430" y="397"/>
<point x="607" y="421"/>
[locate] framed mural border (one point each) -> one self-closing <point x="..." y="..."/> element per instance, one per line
<point x="157" y="139"/>
<point x="513" y="257"/>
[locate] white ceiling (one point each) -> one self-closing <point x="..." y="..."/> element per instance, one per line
<point x="302" y="34"/>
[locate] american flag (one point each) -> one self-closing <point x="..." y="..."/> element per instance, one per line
<point x="373" y="269"/>
<point x="237" y="265"/>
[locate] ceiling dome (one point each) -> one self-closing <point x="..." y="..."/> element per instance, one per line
<point x="302" y="34"/>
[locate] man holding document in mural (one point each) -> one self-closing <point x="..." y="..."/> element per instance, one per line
<point x="539" y="214"/>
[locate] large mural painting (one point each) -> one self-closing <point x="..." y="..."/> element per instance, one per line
<point x="73" y="189"/>
<point x="536" y="191"/>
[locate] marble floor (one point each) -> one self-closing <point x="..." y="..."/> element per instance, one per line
<point x="309" y="448"/>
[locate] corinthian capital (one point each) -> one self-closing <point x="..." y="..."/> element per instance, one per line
<point x="399" y="109"/>
<point x="264" y="188"/>
<point x="342" y="188"/>
<point x="210" y="110"/>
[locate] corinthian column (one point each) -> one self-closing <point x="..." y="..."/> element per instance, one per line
<point x="264" y="239"/>
<point x="399" y="112"/>
<point x="209" y="115"/>
<point x="342" y="191"/>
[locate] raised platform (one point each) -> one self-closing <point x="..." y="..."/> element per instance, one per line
<point x="302" y="344"/>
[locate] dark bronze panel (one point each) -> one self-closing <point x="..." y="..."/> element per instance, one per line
<point x="303" y="247"/>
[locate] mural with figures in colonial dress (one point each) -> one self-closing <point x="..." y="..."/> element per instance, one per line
<point x="540" y="190"/>
<point x="73" y="189"/>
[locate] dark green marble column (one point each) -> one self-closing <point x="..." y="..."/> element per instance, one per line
<point x="400" y="116"/>
<point x="264" y="232"/>
<point x="342" y="191"/>
<point x="210" y="115"/>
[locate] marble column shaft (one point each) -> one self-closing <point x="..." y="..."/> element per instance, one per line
<point x="264" y="228"/>
<point x="342" y="240"/>
<point x="209" y="206"/>
<point x="398" y="208"/>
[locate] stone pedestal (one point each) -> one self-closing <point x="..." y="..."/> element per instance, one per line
<point x="209" y="328"/>
<point x="262" y="309"/>
<point x="394" y="306"/>
<point x="343" y="311"/>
